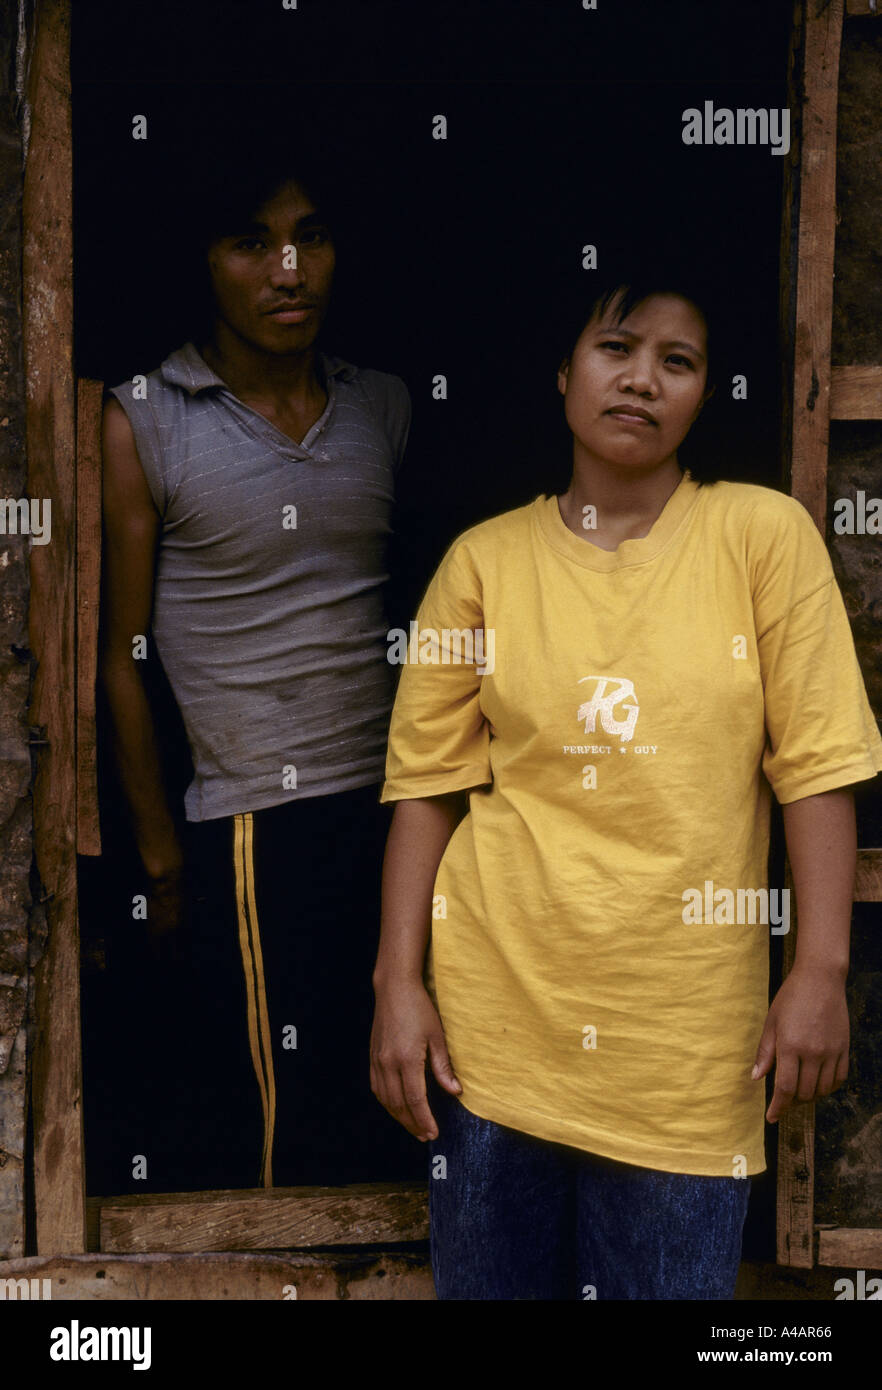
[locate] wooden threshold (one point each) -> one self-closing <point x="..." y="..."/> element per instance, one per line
<point x="280" y="1218"/>
<point x="363" y="1276"/>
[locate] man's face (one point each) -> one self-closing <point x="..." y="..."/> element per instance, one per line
<point x="273" y="306"/>
<point x="632" y="390"/>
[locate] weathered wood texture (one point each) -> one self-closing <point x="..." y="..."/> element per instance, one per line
<point x="15" y="761"/>
<point x="830" y="1156"/>
<point x="856" y="393"/>
<point x="796" y="1140"/>
<point x="868" y="879"/>
<point x="850" y="1248"/>
<point x="369" y="1276"/>
<point x="866" y="8"/>
<point x="856" y="445"/>
<point x="48" y="328"/>
<point x="274" y="1219"/>
<point x="89" y="394"/>
<point x="848" y="1124"/>
<point x="817" y="226"/>
<point x="789" y="240"/>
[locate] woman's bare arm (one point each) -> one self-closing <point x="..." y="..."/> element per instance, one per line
<point x="407" y="1028"/>
<point x="807" y="1027"/>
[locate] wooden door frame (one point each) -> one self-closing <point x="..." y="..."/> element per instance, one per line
<point x="819" y="391"/>
<point x="64" y="579"/>
<point x="63" y="444"/>
<point x="47" y="292"/>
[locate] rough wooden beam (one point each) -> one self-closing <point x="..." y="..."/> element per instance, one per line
<point x="89" y="394"/>
<point x="15" y="674"/>
<point x="371" y="1276"/>
<point x="850" y="1248"/>
<point x="789" y="248"/>
<point x="856" y="393"/>
<point x="816" y="240"/>
<point x="796" y="1153"/>
<point x="870" y="8"/>
<point x="48" y="339"/>
<point x="263" y="1219"/>
<point x="868" y="879"/>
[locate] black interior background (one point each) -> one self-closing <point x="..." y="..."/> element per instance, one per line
<point x="460" y="257"/>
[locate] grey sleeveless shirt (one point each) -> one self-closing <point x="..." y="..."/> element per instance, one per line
<point x="268" y="607"/>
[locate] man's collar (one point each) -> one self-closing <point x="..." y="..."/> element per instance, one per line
<point x="187" y="368"/>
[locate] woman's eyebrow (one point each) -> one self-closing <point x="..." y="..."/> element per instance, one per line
<point x="678" y="342"/>
<point x="671" y="342"/>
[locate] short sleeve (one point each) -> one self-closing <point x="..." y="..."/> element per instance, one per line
<point x="146" y="435"/>
<point x="390" y="399"/>
<point x="439" y="739"/>
<point x="821" y="733"/>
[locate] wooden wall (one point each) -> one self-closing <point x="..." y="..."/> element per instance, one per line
<point x="848" y="1180"/>
<point x="15" y="761"/>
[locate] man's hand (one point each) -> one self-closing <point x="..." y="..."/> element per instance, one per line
<point x="807" y="1031"/>
<point x="166" y="916"/>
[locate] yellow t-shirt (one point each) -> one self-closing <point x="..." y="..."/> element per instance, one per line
<point x="600" y="979"/>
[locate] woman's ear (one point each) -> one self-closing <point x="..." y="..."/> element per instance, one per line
<point x="563" y="372"/>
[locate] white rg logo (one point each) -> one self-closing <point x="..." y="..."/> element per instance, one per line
<point x="603" y="704"/>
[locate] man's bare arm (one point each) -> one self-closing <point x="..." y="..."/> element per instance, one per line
<point x="131" y="533"/>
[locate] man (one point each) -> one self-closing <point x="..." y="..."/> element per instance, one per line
<point x="247" y="492"/>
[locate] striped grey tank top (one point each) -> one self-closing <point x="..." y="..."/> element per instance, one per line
<point x="268" y="607"/>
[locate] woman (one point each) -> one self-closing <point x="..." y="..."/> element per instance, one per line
<point x="584" y="822"/>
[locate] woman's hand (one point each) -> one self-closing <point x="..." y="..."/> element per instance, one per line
<point x="406" y="1028"/>
<point x="807" y="1030"/>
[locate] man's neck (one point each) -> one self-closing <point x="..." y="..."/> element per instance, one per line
<point x="252" y="374"/>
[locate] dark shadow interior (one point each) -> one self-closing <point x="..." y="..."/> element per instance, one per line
<point x="460" y="257"/>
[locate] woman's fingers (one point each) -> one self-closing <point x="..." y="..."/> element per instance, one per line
<point x="400" y="1086"/>
<point x="442" y="1068"/>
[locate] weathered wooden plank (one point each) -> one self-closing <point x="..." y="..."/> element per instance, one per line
<point x="789" y="247"/>
<point x="870" y="8"/>
<point x="263" y="1219"/>
<point x="850" y="1248"/>
<point x="15" y="760"/>
<point x="12" y="1149"/>
<point x="856" y="393"/>
<point x="796" y="1152"/>
<point x="48" y="338"/>
<point x="373" y="1275"/>
<point x="816" y="240"/>
<point x="868" y="879"/>
<point x="795" y="1127"/>
<point x="89" y="398"/>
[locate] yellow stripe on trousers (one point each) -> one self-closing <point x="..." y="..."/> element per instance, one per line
<point x="255" y="986"/>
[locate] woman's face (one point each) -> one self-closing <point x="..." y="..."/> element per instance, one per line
<point x="632" y="390"/>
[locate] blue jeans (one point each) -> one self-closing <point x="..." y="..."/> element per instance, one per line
<point x="517" y="1217"/>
